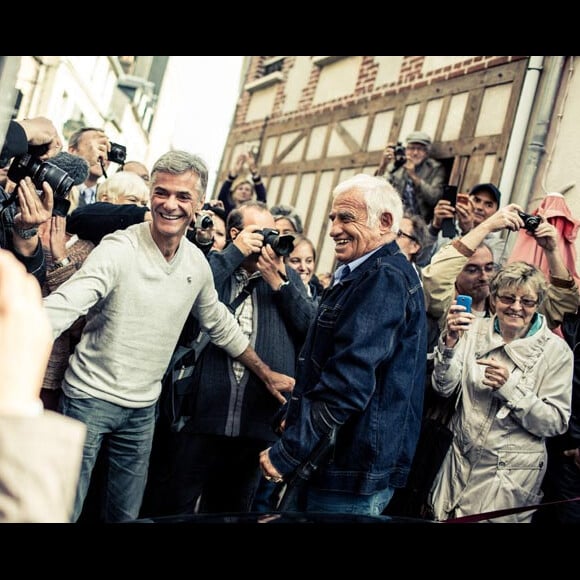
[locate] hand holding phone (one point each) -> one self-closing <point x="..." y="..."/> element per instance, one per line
<point x="464" y="300"/>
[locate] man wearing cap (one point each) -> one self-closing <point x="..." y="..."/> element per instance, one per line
<point x="483" y="202"/>
<point x="419" y="179"/>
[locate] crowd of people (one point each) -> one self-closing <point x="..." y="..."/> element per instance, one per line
<point x="293" y="370"/>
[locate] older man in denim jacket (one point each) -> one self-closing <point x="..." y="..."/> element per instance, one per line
<point x="362" y="368"/>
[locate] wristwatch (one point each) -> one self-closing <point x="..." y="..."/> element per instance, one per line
<point x="61" y="263"/>
<point x="26" y="233"/>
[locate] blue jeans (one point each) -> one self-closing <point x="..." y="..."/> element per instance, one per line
<point x="318" y="500"/>
<point x="129" y="435"/>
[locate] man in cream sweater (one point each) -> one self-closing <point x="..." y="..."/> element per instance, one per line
<point x="136" y="289"/>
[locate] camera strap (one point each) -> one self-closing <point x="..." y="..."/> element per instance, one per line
<point x="501" y="258"/>
<point x="202" y="339"/>
<point x="246" y="291"/>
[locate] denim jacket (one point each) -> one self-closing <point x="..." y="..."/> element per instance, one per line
<point x="362" y="368"/>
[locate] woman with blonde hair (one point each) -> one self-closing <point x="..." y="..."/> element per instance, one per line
<point x="123" y="188"/>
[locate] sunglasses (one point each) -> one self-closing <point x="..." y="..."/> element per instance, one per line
<point x="511" y="300"/>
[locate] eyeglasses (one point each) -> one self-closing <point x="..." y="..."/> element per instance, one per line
<point x="511" y="300"/>
<point x="486" y="269"/>
<point x="401" y="234"/>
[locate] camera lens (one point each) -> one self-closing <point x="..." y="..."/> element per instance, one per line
<point x="39" y="171"/>
<point x="531" y="222"/>
<point x="283" y="245"/>
<point x="203" y="222"/>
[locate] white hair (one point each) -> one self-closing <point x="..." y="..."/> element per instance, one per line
<point x="379" y="195"/>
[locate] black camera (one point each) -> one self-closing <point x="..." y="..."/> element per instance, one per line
<point x="531" y="222"/>
<point x="283" y="245"/>
<point x="400" y="154"/>
<point x="28" y="166"/>
<point x="117" y="154"/>
<point x="203" y="222"/>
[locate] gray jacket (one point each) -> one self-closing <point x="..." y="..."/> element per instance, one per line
<point x="498" y="455"/>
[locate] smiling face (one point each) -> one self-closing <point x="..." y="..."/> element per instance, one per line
<point x="302" y="260"/>
<point x="352" y="236"/>
<point x="174" y="201"/>
<point x="515" y="319"/>
<point x="416" y="152"/>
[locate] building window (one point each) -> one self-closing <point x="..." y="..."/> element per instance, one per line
<point x="273" y="65"/>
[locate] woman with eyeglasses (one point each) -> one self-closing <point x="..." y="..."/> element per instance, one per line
<point x="515" y="378"/>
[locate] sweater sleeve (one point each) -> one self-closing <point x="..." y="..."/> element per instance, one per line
<point x="96" y="220"/>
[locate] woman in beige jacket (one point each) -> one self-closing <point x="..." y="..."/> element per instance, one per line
<point x="515" y="377"/>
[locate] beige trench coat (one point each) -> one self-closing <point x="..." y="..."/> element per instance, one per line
<point x="498" y="456"/>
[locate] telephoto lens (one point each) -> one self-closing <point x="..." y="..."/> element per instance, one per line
<point x="27" y="166"/>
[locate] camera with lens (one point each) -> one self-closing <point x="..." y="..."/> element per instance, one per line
<point x="203" y="222"/>
<point x="531" y="222"/>
<point x="400" y="154"/>
<point x="117" y="154"/>
<point x="28" y="166"/>
<point x="281" y="244"/>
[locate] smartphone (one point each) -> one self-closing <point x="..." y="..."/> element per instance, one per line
<point x="448" y="224"/>
<point x="464" y="300"/>
<point x="450" y="194"/>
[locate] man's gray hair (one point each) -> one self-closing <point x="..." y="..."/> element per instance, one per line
<point x="178" y="162"/>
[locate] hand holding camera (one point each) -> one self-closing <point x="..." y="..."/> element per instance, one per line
<point x="34" y="209"/>
<point x="42" y="137"/>
<point x="546" y="236"/>
<point x="116" y="153"/>
<point x="399" y="156"/>
<point x="531" y="222"/>
<point x="200" y="232"/>
<point x="249" y="240"/>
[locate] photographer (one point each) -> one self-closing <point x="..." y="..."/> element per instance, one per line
<point x="417" y="177"/>
<point x="481" y="202"/>
<point x="20" y="217"/>
<point x="95" y="147"/>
